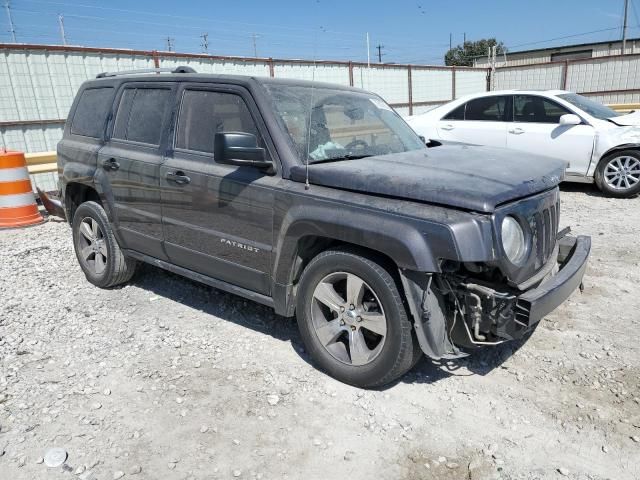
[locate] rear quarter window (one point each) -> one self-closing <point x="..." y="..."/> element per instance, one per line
<point x="90" y="116"/>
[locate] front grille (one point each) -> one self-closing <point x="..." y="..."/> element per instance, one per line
<point x="544" y="228"/>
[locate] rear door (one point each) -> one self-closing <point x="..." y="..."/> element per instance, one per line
<point x="218" y="219"/>
<point x="130" y="163"/>
<point x="536" y="129"/>
<point x="481" y="121"/>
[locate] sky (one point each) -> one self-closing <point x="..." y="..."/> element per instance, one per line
<point x="409" y="31"/>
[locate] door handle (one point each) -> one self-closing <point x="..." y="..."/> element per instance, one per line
<point x="516" y="131"/>
<point x="111" y="164"/>
<point x="178" y="177"/>
<point x="448" y="126"/>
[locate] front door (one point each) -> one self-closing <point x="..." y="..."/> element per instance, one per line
<point x="130" y="162"/>
<point x="536" y="128"/>
<point x="218" y="219"/>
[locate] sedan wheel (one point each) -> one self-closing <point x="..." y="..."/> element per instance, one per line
<point x="622" y="173"/>
<point x="348" y="318"/>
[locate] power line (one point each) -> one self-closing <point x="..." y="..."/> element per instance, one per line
<point x="12" y="29"/>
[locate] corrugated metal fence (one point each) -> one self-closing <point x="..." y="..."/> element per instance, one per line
<point x="608" y="79"/>
<point x="38" y="82"/>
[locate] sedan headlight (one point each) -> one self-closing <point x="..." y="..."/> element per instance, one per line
<point x="513" y="240"/>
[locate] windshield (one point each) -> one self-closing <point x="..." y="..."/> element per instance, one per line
<point x="344" y="124"/>
<point x="593" y="108"/>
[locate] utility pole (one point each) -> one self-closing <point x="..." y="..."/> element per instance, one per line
<point x="624" y="27"/>
<point x="255" y="45"/>
<point x="12" y="29"/>
<point x="205" y="42"/>
<point x="464" y="38"/>
<point x="368" y="52"/>
<point x="170" y="44"/>
<point x="380" y="54"/>
<point x="62" y="34"/>
<point x="450" y="41"/>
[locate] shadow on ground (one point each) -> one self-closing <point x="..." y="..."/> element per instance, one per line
<point x="262" y="319"/>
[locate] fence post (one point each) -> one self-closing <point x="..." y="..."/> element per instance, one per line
<point x="453" y="82"/>
<point x="564" y="74"/>
<point x="410" y="84"/>
<point x="272" y="72"/>
<point x="350" y="73"/>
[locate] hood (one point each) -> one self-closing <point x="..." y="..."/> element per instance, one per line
<point x="629" y="120"/>
<point x="462" y="176"/>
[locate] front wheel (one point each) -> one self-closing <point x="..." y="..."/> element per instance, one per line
<point x="353" y="321"/>
<point x="618" y="174"/>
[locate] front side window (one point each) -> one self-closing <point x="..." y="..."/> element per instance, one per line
<point x="534" y="109"/>
<point x="140" y="115"/>
<point x="204" y="113"/>
<point x="91" y="113"/>
<point x="327" y="124"/>
<point x="488" y="109"/>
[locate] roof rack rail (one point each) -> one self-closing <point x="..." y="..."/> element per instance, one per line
<point x="181" y="69"/>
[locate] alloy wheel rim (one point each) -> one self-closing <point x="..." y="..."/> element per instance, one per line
<point x="348" y="319"/>
<point x="622" y="173"/>
<point x="93" y="248"/>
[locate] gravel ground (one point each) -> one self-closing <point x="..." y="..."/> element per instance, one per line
<point x="166" y="378"/>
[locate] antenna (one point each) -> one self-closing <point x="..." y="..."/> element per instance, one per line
<point x="12" y="28"/>
<point x="170" y="44"/>
<point x="62" y="34"/>
<point x="313" y="80"/>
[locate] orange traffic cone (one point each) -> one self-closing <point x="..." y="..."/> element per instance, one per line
<point x="18" y="206"/>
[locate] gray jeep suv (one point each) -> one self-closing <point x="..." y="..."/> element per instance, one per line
<point x="319" y="201"/>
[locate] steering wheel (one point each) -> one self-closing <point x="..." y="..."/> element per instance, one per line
<point x="356" y="143"/>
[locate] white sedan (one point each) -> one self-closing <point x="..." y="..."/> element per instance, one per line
<point x="600" y="144"/>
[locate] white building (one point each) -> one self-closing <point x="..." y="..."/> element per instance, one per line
<point x="560" y="54"/>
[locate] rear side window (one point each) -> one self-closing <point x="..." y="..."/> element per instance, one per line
<point x="456" y="114"/>
<point x="140" y="115"/>
<point x="490" y="109"/>
<point x="90" y="116"/>
<point x="204" y="113"/>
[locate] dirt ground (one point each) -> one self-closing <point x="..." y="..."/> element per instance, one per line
<point x="169" y="379"/>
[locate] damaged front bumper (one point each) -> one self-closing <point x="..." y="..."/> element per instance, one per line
<point x="453" y="311"/>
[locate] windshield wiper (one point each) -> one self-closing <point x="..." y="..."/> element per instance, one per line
<point x="348" y="156"/>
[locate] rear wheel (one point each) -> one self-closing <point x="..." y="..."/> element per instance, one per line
<point x="353" y="320"/>
<point x="97" y="250"/>
<point x="618" y="174"/>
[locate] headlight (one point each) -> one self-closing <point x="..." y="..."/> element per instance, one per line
<point x="513" y="241"/>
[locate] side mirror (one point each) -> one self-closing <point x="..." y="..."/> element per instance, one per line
<point x="570" y="119"/>
<point x="237" y="148"/>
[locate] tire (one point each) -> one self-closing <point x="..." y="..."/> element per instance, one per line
<point x="613" y="184"/>
<point x="104" y="265"/>
<point x="334" y="338"/>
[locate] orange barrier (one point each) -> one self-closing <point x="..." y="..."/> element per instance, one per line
<point x="18" y="206"/>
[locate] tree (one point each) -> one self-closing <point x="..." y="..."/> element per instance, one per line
<point x="463" y="55"/>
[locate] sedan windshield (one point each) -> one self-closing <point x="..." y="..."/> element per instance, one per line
<point x="593" y="108"/>
<point x="344" y="124"/>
